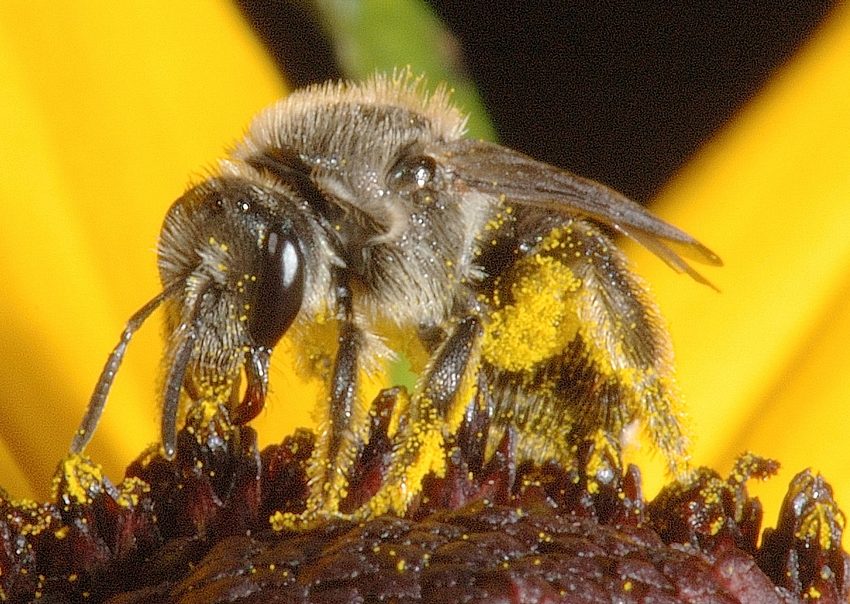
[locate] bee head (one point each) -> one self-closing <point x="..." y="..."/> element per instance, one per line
<point x="233" y="283"/>
<point x="235" y="273"/>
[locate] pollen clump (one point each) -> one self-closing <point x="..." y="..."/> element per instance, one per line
<point x="79" y="475"/>
<point x="540" y="319"/>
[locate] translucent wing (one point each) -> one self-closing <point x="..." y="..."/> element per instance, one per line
<point x="497" y="170"/>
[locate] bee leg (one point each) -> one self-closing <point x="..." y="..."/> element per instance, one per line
<point x="346" y="424"/>
<point x="444" y="392"/>
<point x="444" y="380"/>
<point x="623" y="337"/>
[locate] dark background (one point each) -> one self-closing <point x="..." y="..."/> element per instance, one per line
<point x="623" y="92"/>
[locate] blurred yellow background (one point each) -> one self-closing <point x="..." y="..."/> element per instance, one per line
<point x="765" y="364"/>
<point x="108" y="109"/>
<point x="107" y="112"/>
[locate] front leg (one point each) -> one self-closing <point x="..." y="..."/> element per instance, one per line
<point x="443" y="394"/>
<point x="344" y="430"/>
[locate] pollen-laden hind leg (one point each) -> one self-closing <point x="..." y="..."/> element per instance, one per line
<point x="575" y="350"/>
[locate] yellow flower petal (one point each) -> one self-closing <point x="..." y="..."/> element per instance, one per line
<point x="106" y="111"/>
<point x="764" y="364"/>
<point x="107" y="107"/>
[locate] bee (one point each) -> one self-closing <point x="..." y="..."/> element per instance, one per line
<point x="357" y="220"/>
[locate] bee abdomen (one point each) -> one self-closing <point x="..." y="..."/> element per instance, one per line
<point x="574" y="349"/>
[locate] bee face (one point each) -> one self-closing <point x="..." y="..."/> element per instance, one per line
<point x="354" y="207"/>
<point x="235" y="264"/>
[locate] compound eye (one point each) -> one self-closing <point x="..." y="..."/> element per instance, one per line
<point x="280" y="288"/>
<point x="413" y="172"/>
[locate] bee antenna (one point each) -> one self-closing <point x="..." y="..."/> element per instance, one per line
<point x="173" y="385"/>
<point x="98" y="398"/>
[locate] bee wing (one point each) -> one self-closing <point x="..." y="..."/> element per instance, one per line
<point x="500" y="171"/>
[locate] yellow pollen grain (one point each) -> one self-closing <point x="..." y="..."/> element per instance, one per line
<point x="540" y="323"/>
<point x="80" y="474"/>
